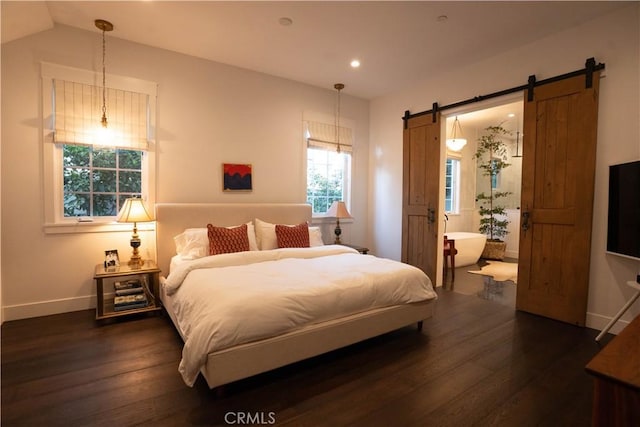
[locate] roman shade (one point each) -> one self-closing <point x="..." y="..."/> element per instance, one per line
<point x="77" y="108"/>
<point x="323" y="136"/>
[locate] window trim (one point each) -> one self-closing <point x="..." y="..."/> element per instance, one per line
<point x="497" y="177"/>
<point x="347" y="178"/>
<point x="456" y="187"/>
<point x="345" y="123"/>
<point x="54" y="220"/>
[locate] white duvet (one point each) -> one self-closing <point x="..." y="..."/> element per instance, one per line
<point x="225" y="300"/>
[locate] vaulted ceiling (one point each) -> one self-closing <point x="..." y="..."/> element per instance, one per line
<point x="397" y="42"/>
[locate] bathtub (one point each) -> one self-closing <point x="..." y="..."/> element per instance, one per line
<point x="469" y="246"/>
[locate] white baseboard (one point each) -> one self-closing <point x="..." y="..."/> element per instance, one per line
<point x="47" y="308"/>
<point x="598" y="322"/>
<point x="511" y="254"/>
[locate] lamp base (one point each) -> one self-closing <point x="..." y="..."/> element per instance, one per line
<point x="136" y="259"/>
<point x="338" y="232"/>
<point x="135" y="262"/>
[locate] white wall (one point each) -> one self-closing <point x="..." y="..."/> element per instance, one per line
<point x="613" y="39"/>
<point x="208" y="113"/>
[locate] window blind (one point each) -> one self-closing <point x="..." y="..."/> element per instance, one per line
<point x="78" y="109"/>
<point x="323" y="135"/>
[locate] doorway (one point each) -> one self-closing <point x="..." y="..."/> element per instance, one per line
<point x="557" y="191"/>
<point x="464" y="181"/>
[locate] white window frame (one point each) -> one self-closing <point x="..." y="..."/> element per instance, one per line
<point x="455" y="188"/>
<point x="53" y="186"/>
<point x="349" y="166"/>
<point x="497" y="176"/>
<point x="346" y="178"/>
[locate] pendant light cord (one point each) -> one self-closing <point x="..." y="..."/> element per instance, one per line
<point x="338" y="87"/>
<point x="104" y="81"/>
<point x="104" y="26"/>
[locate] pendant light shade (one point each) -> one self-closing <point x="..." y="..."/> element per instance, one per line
<point x="456" y="142"/>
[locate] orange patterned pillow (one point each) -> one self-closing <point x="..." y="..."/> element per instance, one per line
<point x="224" y="240"/>
<point x="293" y="236"/>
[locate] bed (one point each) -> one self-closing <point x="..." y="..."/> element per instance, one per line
<point x="262" y="353"/>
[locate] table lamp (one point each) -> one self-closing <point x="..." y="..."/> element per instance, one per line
<point x="133" y="210"/>
<point x="338" y="210"/>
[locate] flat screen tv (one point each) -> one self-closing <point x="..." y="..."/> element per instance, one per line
<point x="623" y="231"/>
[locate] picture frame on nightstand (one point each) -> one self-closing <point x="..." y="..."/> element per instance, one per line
<point x="111" y="259"/>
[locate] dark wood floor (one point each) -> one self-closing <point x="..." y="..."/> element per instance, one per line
<point x="477" y="362"/>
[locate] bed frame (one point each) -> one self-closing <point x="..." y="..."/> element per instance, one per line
<point x="249" y="359"/>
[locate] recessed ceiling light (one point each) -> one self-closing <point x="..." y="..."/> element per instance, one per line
<point x="285" y="21"/>
<point x="355" y="63"/>
<point x="442" y="18"/>
<point x="511" y="115"/>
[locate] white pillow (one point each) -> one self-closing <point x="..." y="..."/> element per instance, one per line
<point x="193" y="243"/>
<point x="315" y="237"/>
<point x="266" y="235"/>
<point x="267" y="239"/>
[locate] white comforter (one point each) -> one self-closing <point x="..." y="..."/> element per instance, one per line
<point x="225" y="300"/>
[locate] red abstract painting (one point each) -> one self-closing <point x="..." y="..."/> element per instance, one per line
<point x="236" y="177"/>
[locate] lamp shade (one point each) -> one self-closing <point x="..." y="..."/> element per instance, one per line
<point x="133" y="210"/>
<point x="338" y="210"/>
<point x="456" y="144"/>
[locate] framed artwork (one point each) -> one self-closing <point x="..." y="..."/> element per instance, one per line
<point x="236" y="177"/>
<point x="111" y="259"/>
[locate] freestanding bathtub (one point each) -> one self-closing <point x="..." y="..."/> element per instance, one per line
<point x="469" y="246"/>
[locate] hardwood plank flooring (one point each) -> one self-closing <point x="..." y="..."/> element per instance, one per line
<point x="476" y="362"/>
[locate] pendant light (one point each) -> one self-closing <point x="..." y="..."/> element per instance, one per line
<point x="456" y="143"/>
<point x="338" y="87"/>
<point x="104" y="26"/>
<point x="517" y="145"/>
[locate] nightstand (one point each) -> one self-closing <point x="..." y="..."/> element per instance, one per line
<point x="149" y="276"/>
<point x="360" y="249"/>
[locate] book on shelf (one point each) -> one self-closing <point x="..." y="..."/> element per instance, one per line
<point x="130" y="291"/>
<point x="128" y="287"/>
<point x="130" y="306"/>
<point x="127" y="300"/>
<point x="127" y="284"/>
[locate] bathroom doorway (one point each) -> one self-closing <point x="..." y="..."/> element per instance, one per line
<point x="464" y="181"/>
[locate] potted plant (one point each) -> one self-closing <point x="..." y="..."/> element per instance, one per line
<point x="491" y="155"/>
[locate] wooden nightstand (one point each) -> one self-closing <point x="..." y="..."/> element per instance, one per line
<point x="148" y="274"/>
<point x="360" y="249"/>
<point x="616" y="371"/>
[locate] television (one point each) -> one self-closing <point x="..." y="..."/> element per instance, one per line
<point x="623" y="228"/>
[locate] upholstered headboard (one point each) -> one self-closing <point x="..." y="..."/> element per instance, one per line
<point x="173" y="218"/>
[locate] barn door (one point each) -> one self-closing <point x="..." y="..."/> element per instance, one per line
<point x="420" y="193"/>
<point x="558" y="174"/>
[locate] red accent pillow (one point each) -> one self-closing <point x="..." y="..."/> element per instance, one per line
<point x="224" y="240"/>
<point x="293" y="236"/>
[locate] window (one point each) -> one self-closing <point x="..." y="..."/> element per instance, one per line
<point x="328" y="167"/>
<point x="452" y="186"/>
<point x="328" y="176"/>
<point x="89" y="171"/>
<point x="495" y="173"/>
<point x="98" y="180"/>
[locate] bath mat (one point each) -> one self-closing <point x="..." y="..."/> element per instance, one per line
<point x="500" y="271"/>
